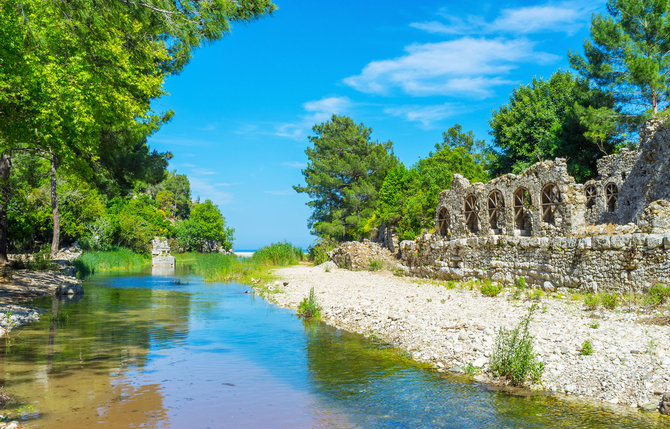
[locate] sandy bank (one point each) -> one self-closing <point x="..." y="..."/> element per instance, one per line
<point x="26" y="285"/>
<point x="630" y="364"/>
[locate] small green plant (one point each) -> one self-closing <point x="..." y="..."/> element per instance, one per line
<point x="471" y="370"/>
<point x="535" y="294"/>
<point x="309" y="308"/>
<point x="594" y="325"/>
<point x="520" y="283"/>
<point x="513" y="356"/>
<point x="375" y="265"/>
<point x="450" y="284"/>
<point x="591" y="301"/>
<point x="651" y="347"/>
<point x="657" y="295"/>
<point x="489" y="289"/>
<point x="609" y="300"/>
<point x="429" y="299"/>
<point x="442" y="301"/>
<point x="587" y="348"/>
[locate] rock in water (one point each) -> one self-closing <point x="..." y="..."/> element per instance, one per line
<point x="664" y="406"/>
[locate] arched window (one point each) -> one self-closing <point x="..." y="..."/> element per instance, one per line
<point x="551" y="200"/>
<point x="522" y="207"/>
<point x="443" y="222"/>
<point x="496" y="205"/>
<point x="611" y="197"/>
<point x="590" y="192"/>
<point x="472" y="213"/>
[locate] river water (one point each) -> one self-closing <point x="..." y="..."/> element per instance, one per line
<point x="174" y="351"/>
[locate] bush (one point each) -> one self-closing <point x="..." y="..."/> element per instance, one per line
<point x="591" y="301"/>
<point x="375" y="265"/>
<point x="278" y="254"/>
<point x="490" y="289"/>
<point x="513" y="356"/>
<point x="318" y="253"/>
<point x="587" y="348"/>
<point x="657" y="295"/>
<point x="309" y="308"/>
<point x="610" y="301"/>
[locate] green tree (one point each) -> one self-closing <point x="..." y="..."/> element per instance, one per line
<point x="628" y="54"/>
<point x="545" y="120"/>
<point x="343" y="176"/>
<point x="179" y="186"/>
<point x="408" y="198"/>
<point x="205" y="230"/>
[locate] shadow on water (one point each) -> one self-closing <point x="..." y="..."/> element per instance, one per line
<point x="174" y="351"/>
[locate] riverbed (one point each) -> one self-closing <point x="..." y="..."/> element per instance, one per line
<point x="174" y="351"/>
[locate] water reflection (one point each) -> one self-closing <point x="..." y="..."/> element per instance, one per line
<point x="173" y="351"/>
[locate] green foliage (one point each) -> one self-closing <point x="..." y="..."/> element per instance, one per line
<point x="513" y="356"/>
<point x="309" y="308"/>
<point x="628" y="54"/>
<point x="489" y="289"/>
<point x="587" y="348"/>
<point x="375" y="265"/>
<point x="591" y="301"/>
<point x="343" y="177"/>
<point x="318" y="252"/>
<point x="279" y="254"/>
<point x="609" y="300"/>
<point x="594" y="325"/>
<point x="90" y="262"/>
<point x="657" y="295"/>
<point x="205" y="230"/>
<point x="223" y="267"/>
<point x="407" y="198"/>
<point x="173" y="195"/>
<point x="549" y="119"/>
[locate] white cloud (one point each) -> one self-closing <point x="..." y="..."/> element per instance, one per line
<point x="294" y="164"/>
<point x="315" y="111"/>
<point x="203" y="172"/>
<point x="566" y="17"/>
<point x="425" y="115"/>
<point x="207" y="190"/>
<point x="471" y="66"/>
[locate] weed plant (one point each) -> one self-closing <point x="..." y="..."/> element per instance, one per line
<point x="657" y="295"/>
<point x="489" y="289"/>
<point x="514" y="357"/>
<point x="281" y="254"/>
<point x="609" y="300"/>
<point x="591" y="301"/>
<point x="587" y="348"/>
<point x="375" y="265"/>
<point x="318" y="253"/>
<point x="309" y="308"/>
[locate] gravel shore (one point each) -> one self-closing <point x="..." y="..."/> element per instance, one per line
<point x="451" y="328"/>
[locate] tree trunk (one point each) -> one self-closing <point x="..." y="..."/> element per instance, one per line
<point x="654" y="102"/>
<point x="5" y="167"/>
<point x="55" y="242"/>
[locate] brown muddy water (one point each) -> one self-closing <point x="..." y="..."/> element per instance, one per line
<point x="173" y="351"/>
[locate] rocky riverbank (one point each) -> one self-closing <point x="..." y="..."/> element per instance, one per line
<point x="453" y="328"/>
<point x="26" y="285"/>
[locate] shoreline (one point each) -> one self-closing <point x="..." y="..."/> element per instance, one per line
<point x="26" y="285"/>
<point x="452" y="329"/>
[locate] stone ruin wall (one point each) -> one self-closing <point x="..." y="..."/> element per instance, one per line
<point x="610" y="234"/>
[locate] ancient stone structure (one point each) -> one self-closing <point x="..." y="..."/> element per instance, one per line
<point x="612" y="233"/>
<point x="160" y="255"/>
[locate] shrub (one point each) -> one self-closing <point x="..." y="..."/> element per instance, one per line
<point x="375" y="265"/>
<point x="309" y="308"/>
<point x="513" y="356"/>
<point x="318" y="253"/>
<point x="657" y="295"/>
<point x="587" y="348"/>
<point x="591" y="301"/>
<point x="610" y="301"/>
<point x="490" y="289"/>
<point x="278" y="254"/>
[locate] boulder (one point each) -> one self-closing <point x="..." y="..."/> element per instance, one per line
<point x="664" y="405"/>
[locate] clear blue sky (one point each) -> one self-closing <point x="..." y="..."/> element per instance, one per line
<point x="246" y="104"/>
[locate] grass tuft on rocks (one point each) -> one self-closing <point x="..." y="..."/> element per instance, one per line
<point x="587" y="348"/>
<point x="657" y="295"/>
<point x="490" y="289"/>
<point x="309" y="308"/>
<point x="514" y="357"/>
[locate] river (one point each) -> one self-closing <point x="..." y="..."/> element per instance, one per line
<point x="174" y="351"/>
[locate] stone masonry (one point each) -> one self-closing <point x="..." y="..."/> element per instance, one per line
<point x="610" y="234"/>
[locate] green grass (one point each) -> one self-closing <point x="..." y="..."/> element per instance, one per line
<point x="489" y="289"/>
<point x="219" y="267"/>
<point x="279" y="254"/>
<point x="657" y="295"/>
<point x="587" y="348"/>
<point x="91" y="262"/>
<point x="375" y="265"/>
